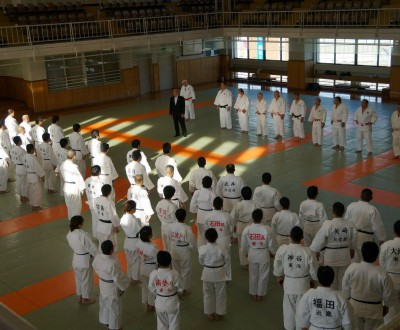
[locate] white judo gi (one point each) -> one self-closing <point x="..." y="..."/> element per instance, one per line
<point x="4" y="163"/>
<point x="260" y="109"/>
<point x="164" y="160"/>
<point x="298" y="111"/>
<point x="94" y="149"/>
<point x="229" y="188"/>
<point x="214" y="276"/>
<point x="364" y="120"/>
<point x="187" y="92"/>
<point x="131" y="226"/>
<point x="389" y="260"/>
<point x="136" y="168"/>
<point x="107" y="220"/>
<point x="242" y="105"/>
<point x="179" y="197"/>
<point x="241" y="215"/>
<point x="223" y="101"/>
<point x="369" y="288"/>
<point x="196" y="176"/>
<point x="277" y="109"/>
<point x="61" y="156"/>
<point x="282" y="224"/>
<point x="5" y="140"/>
<point x="143" y="161"/>
<point x="267" y="198"/>
<point x="17" y="154"/>
<point x="108" y="172"/>
<point x="201" y="204"/>
<point x="112" y="282"/>
<point x="37" y="133"/>
<point x="144" y="210"/>
<point x="84" y="252"/>
<point x="78" y="144"/>
<point x="148" y="262"/>
<point x="318" y="118"/>
<point x="93" y="186"/>
<point x="56" y="134"/>
<point x="28" y="131"/>
<point x="182" y="245"/>
<point x="49" y="163"/>
<point x="395" y="122"/>
<point x="165" y="283"/>
<point x="324" y="308"/>
<point x="337" y="236"/>
<point x="74" y="186"/>
<point x="12" y="127"/>
<point x="166" y="214"/>
<point x="258" y="242"/>
<point x="368" y="222"/>
<point x="34" y="173"/>
<point x="298" y="266"/>
<point x="312" y="215"/>
<point x="339" y="115"/>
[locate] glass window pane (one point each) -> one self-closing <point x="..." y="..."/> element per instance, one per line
<point x="285" y="49"/>
<point x="326" y="51"/>
<point x="241" y="47"/>
<point x="345" y="51"/>
<point x="256" y="48"/>
<point x="273" y="49"/>
<point x="385" y="55"/>
<point x="367" y="55"/>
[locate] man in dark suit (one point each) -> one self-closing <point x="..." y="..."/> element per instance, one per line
<point x="177" y="111"/>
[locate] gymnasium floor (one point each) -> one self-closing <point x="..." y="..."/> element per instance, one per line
<point x="36" y="278"/>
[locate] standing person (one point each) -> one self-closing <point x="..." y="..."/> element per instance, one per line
<point x="369" y="288"/>
<point x="166" y="214"/>
<point x="196" y="176"/>
<point x="201" y="205"/>
<point x="365" y="117"/>
<point x="131" y="226"/>
<point x="61" y="156"/>
<point x="338" y="237"/>
<point x="5" y="140"/>
<point x="166" y="284"/>
<point x="339" y="116"/>
<point x="214" y="276"/>
<point x="5" y="162"/>
<point x="177" y="112"/>
<point x="367" y="220"/>
<point x="93" y="186"/>
<point x="22" y="135"/>
<point x="113" y="283"/>
<point x="74" y="185"/>
<point x="258" y="244"/>
<point x="55" y="131"/>
<point x="296" y="269"/>
<point x="187" y="92"/>
<point x="182" y="245"/>
<point x="78" y="144"/>
<point x="129" y="156"/>
<point x="38" y="131"/>
<point x="229" y="188"/>
<point x="223" y="101"/>
<point x="395" y="122"/>
<point x="298" y="111"/>
<point x="260" y="108"/>
<point x="180" y="197"/>
<point x="267" y="198"/>
<point x="84" y="252"/>
<point x="17" y="155"/>
<point x="389" y="260"/>
<point x="283" y="222"/>
<point x="312" y="215"/>
<point x="108" y="224"/>
<point x="318" y="118"/>
<point x="164" y="160"/>
<point x="135" y="167"/>
<point x="28" y="128"/>
<point x="277" y="109"/>
<point x="49" y="163"/>
<point x="242" y="105"/>
<point x="108" y="172"/>
<point x="148" y="256"/>
<point x="94" y="145"/>
<point x="34" y="176"/>
<point x="11" y="124"/>
<point x="324" y="308"/>
<point x="137" y="193"/>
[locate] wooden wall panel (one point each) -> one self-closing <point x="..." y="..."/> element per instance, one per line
<point x="199" y="71"/>
<point x="156" y="77"/>
<point x="395" y="82"/>
<point x="225" y="67"/>
<point x="299" y="73"/>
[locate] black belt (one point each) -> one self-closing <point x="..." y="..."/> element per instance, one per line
<point x="45" y="159"/>
<point x="170" y="295"/>
<point x="149" y="263"/>
<point x="243" y="221"/>
<point x="297" y="276"/>
<point x="312" y="220"/>
<point x="139" y="209"/>
<point x="175" y="199"/>
<point x="78" y="150"/>
<point x="69" y="182"/>
<point x="21" y="164"/>
<point x="325" y="327"/>
<point x="394" y="273"/>
<point x="268" y="207"/>
<point x="183" y="245"/>
<point x="31" y="172"/>
<point x="104" y="174"/>
<point x="232" y="197"/>
<point x="82" y="254"/>
<point x="223" y="106"/>
<point x="283" y="235"/>
<point x="365" y="232"/>
<point x="107" y="281"/>
<point x="205" y="209"/>
<point x="131" y="237"/>
<point x="105" y="221"/>
<point x="296" y="116"/>
<point x="214" y="266"/>
<point x="368" y="302"/>
<point x="337" y="248"/>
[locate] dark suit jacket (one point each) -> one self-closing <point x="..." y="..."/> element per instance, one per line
<point x="179" y="108"/>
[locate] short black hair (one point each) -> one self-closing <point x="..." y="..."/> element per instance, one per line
<point x="30" y="148"/>
<point x="211" y="235"/>
<point x="46" y="137"/>
<point x="94" y="133"/>
<point x="166" y="147"/>
<point x="370" y="251"/>
<point x="396" y="227"/>
<point x="38" y="120"/>
<point x="206" y="181"/>
<point x="180" y="215"/>
<point x="145" y="233"/>
<point x="76" y="127"/>
<point x="312" y="192"/>
<point x="325" y="275"/>
<point x="129" y="205"/>
<point x="218" y="203"/>
<point x="366" y="195"/>
<point x="75" y="222"/>
<point x="296" y="234"/>
<point x="201" y="161"/>
<point x="257" y="215"/>
<point x="168" y="191"/>
<point x="135" y="143"/>
<point x="55" y="119"/>
<point x="338" y="98"/>
<point x="136" y="155"/>
<point x="107" y="247"/>
<point x="246" y="193"/>
<point x="285" y="203"/>
<point x="104" y="147"/>
<point x="95" y="170"/>
<point x="338" y="209"/>
<point x="106" y="190"/>
<point x="63" y="142"/>
<point x="17" y="139"/>
<point x="266" y="178"/>
<point x="164" y="258"/>
<point x="230" y="168"/>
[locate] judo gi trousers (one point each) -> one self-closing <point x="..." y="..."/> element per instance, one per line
<point x="201" y="230"/>
<point x="281" y="239"/>
<point x="189" y="110"/>
<point x="166" y="236"/>
<point x="317" y="132"/>
<point x="258" y="278"/>
<point x="50" y="176"/>
<point x="363" y="323"/>
<point x="367" y="135"/>
<point x="21" y="185"/>
<point x="339" y="134"/>
<point x="278" y="125"/>
<point x="133" y="264"/>
<point x="35" y="193"/>
<point x="244" y="121"/>
<point x="214" y="297"/>
<point x="298" y="128"/>
<point x="110" y="311"/>
<point x="339" y="273"/>
<point x="396" y="143"/>
<point x="262" y="127"/>
<point x="290" y="302"/>
<point x="184" y="268"/>
<point x="168" y="321"/>
<point x="3" y="178"/>
<point x="74" y="204"/>
<point x="148" y="297"/>
<point x="225" y="118"/>
<point x="84" y="281"/>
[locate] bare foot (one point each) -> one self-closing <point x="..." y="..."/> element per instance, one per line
<point x="218" y="317"/>
<point x="85" y="301"/>
<point x="135" y="281"/>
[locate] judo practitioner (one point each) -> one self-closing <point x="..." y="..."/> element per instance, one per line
<point x="77" y="143"/>
<point x="55" y="131"/>
<point x="180" y="197"/>
<point x="196" y="176"/>
<point x="365" y="117"/>
<point x="164" y="160"/>
<point x="135" y="167"/>
<point x="93" y="186"/>
<point x="187" y="92"/>
<point x="94" y="145"/>
<point x="5" y="162"/>
<point x="61" y="156"/>
<point x="395" y="123"/>
<point x="166" y="214"/>
<point x="136" y="146"/>
<point x="339" y="116"/>
<point x="49" y="163"/>
<point x="229" y="188"/>
<point x="277" y="109"/>
<point x="298" y="111"/>
<point x="17" y="154"/>
<point x="38" y="131"/>
<point x="140" y="195"/>
<point x="260" y="108"/>
<point x="283" y="222"/>
<point x="318" y="118"/>
<point x="11" y="124"/>
<point x="108" y="172"/>
<point x="223" y="101"/>
<point x="242" y="105"/>
<point x="34" y="175"/>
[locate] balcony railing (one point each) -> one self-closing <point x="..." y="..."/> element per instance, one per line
<point x="78" y="31"/>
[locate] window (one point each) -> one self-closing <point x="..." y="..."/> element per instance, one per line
<point x="345" y="51"/>
<point x="241" y="47"/>
<point x="260" y="48"/>
<point x="367" y="52"/>
<point x="326" y="51"/>
<point x="102" y="68"/>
